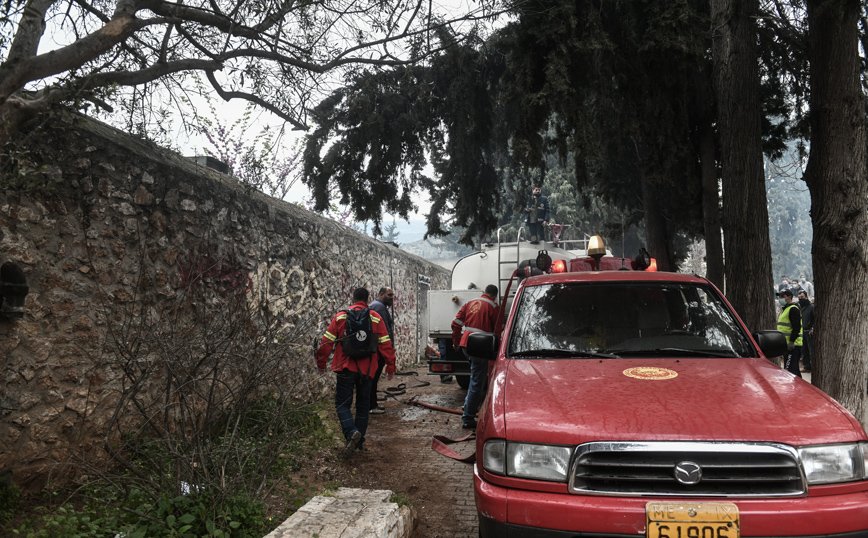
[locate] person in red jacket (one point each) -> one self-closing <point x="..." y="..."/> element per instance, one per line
<point x="354" y="375"/>
<point x="478" y="315"/>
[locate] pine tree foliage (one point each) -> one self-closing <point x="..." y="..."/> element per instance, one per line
<point x="384" y="120"/>
<point x="602" y="84"/>
<point x="375" y="136"/>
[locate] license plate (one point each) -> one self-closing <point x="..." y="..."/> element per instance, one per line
<point x="691" y="520"/>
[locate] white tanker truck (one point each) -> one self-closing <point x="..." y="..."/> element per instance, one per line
<point x="494" y="264"/>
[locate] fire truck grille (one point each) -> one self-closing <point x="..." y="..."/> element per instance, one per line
<point x="687" y="469"/>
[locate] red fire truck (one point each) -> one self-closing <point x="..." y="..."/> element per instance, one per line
<point x="625" y="402"/>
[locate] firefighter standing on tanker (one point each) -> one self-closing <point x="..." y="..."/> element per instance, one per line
<point x="476" y="316"/>
<point x="355" y="375"/>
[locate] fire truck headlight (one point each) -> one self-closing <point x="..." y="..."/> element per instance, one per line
<point x="538" y="462"/>
<point x="830" y="464"/>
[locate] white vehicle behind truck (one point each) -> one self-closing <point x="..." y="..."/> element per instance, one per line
<point x="494" y="264"/>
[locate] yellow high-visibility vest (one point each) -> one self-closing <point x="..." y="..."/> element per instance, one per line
<point x="786" y="327"/>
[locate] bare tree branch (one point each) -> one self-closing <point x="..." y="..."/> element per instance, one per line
<point x="164" y="47"/>
<point x="13" y="75"/>
<point x="273" y="55"/>
<point x="134" y="78"/>
<point x="227" y="96"/>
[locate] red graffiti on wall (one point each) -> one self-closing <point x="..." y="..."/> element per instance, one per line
<point x="403" y="302"/>
<point x="223" y="276"/>
<point x="347" y="288"/>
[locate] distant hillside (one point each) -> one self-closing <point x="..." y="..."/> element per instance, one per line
<point x="438" y="248"/>
<point x="408" y="232"/>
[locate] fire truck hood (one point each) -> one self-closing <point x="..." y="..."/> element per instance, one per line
<point x="572" y="401"/>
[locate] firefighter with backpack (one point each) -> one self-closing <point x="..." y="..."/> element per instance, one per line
<point x="360" y="333"/>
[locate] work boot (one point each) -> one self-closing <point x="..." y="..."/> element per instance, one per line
<point x="352" y="442"/>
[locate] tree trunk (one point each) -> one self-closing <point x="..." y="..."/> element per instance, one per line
<point x="657" y="237"/>
<point x="708" y="174"/>
<point x="837" y="176"/>
<point x="748" y="267"/>
<point x="658" y="240"/>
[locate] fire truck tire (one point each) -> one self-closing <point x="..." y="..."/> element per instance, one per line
<point x="463" y="381"/>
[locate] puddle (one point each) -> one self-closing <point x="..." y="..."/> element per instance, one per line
<point x="413" y="413"/>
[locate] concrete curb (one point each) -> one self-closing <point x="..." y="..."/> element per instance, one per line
<point x="350" y="513"/>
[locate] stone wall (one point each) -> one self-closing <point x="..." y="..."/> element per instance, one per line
<point x="126" y="220"/>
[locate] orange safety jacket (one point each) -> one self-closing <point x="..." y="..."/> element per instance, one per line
<point x="365" y="366"/>
<point x="476" y="316"/>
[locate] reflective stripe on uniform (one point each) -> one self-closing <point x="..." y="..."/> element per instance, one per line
<point x="375" y="319"/>
<point x="342" y="315"/>
<point x="384" y="339"/>
<point x="487" y="300"/>
<point x="457" y="321"/>
<point x="474" y="330"/>
<point x="330" y="336"/>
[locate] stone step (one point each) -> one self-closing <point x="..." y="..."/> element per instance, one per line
<point x="350" y="513"/>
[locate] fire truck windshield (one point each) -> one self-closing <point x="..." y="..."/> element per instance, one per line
<point x="626" y="319"/>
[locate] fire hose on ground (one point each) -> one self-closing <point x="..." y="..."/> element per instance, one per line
<point x="439" y="443"/>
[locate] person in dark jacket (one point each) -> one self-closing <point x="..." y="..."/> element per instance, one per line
<point x="807" y="309"/>
<point x="380" y="305"/>
<point x="537" y="215"/>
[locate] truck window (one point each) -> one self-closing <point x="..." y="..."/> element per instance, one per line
<point x="627" y="318"/>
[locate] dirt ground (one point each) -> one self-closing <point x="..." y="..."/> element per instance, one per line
<point x="399" y="457"/>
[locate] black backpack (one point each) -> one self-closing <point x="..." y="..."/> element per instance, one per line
<point x="359" y="340"/>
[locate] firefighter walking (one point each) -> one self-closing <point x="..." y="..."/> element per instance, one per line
<point x="354" y="375"/>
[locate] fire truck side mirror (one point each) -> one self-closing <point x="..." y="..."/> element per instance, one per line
<point x="771" y="343"/>
<point x="483" y="346"/>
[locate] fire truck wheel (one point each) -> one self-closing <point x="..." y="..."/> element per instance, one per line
<point x="463" y="381"/>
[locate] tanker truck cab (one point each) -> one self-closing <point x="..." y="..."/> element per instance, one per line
<point x="627" y="402"/>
